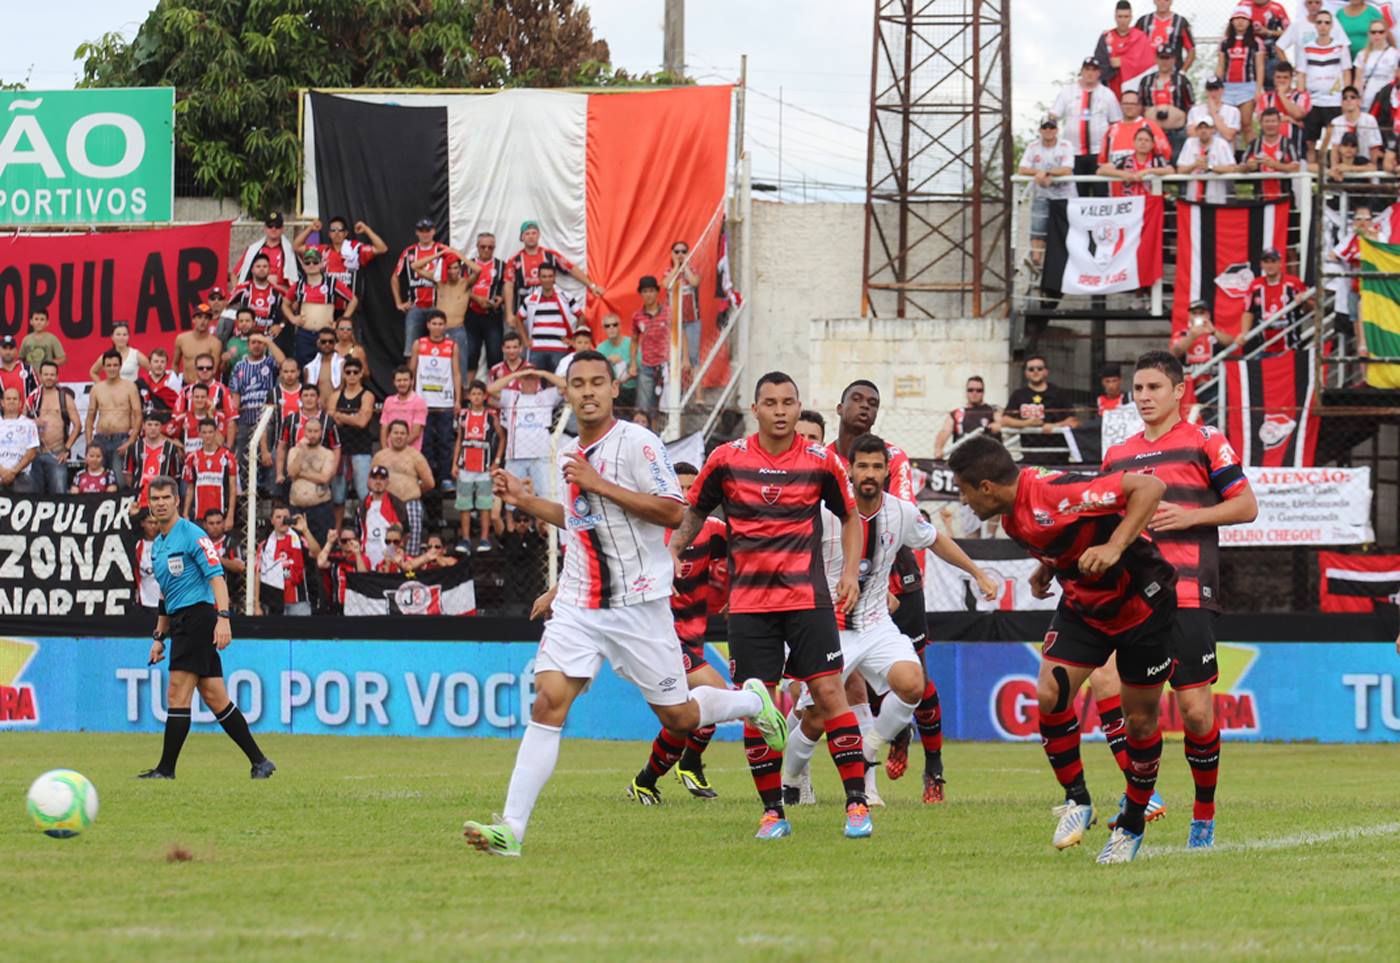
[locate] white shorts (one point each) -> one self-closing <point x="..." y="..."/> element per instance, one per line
<point x="639" y="641"/>
<point x="872" y="652"/>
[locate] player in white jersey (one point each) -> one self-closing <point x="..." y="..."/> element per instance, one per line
<point x="870" y="641"/>
<point x="613" y="603"/>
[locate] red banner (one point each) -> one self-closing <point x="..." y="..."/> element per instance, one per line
<point x="151" y="280"/>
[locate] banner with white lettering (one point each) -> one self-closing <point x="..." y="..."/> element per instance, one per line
<point x="67" y="555"/>
<point x="1101" y="245"/>
<point x="1306" y="506"/>
<point x="432" y="591"/>
<point x="1120" y="424"/>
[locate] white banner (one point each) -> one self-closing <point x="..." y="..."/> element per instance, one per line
<point x="1120" y="424"/>
<point x="1102" y="244"/>
<point x="947" y="589"/>
<point x="1306" y="506"/>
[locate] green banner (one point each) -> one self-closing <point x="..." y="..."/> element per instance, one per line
<point x="87" y="156"/>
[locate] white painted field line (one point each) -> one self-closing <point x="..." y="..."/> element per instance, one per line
<point x="1295" y="841"/>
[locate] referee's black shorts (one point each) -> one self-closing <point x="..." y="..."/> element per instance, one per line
<point x="192" y="642"/>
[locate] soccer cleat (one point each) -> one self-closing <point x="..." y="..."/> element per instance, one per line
<point x="772" y="826"/>
<point x="1156" y="809"/>
<point x="897" y="761"/>
<point x="263" y="770"/>
<point x="1122" y="847"/>
<point x="1074" y="821"/>
<point x="646" y="795"/>
<point x="695" y="782"/>
<point x="769" y="721"/>
<point x="933" y="789"/>
<point x="1202" y="834"/>
<point x="155" y="774"/>
<point x="495" y="838"/>
<point x="858" y="823"/>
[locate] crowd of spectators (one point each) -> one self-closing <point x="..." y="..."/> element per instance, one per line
<point x="353" y="481"/>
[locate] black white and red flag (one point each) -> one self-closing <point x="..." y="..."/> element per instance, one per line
<point x="1271" y="414"/>
<point x="1217" y="255"/>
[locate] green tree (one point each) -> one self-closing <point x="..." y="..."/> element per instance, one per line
<point x="236" y="66"/>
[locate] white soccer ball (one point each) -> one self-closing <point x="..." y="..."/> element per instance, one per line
<point x="62" y="803"/>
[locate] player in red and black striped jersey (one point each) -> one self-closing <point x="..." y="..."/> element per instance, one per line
<point x="772" y="486"/>
<point x="1118" y="596"/>
<point x="1206" y="488"/>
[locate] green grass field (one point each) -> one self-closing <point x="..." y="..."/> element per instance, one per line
<point x="353" y="851"/>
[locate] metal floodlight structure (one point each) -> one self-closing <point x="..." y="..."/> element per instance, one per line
<point x="938" y="165"/>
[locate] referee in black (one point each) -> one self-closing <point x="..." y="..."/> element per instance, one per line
<point x="194" y="615"/>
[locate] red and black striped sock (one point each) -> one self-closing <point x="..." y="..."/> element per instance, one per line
<point x="1115" y="730"/>
<point x="1144" y="759"/>
<point x="666" y="749"/>
<point x="928" y="719"/>
<point x="1059" y="735"/>
<point x="695" y="745"/>
<point x="1203" y="756"/>
<point x="766" y="766"/>
<point x="847" y="748"/>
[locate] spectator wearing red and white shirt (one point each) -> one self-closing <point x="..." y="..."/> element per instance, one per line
<point x="1271" y="151"/>
<point x="1085" y="109"/>
<point x="282" y="260"/>
<point x="317" y="288"/>
<point x="485" y="313"/>
<point x="651" y="342"/>
<point x="293" y="427"/>
<point x="1241" y="64"/>
<point x="1170" y="30"/>
<point x="340" y="555"/>
<point x="160" y="387"/>
<point x="512" y="359"/>
<point x="210" y="476"/>
<point x="523" y="270"/>
<point x="184" y="427"/>
<point x="546" y="319"/>
<point x="220" y="398"/>
<point x="414" y="294"/>
<point x="15" y="373"/>
<point x="1111" y="381"/>
<point x="216" y="525"/>
<point x="438" y="381"/>
<point x="1134" y="170"/>
<point x="1324" y="67"/>
<point x="1272" y="302"/>
<point x="342" y="255"/>
<point x="94" y="478"/>
<point x="1119" y="50"/>
<point x="1270" y="21"/>
<point x="284" y="588"/>
<point x="1292" y="106"/>
<point x="1118" y="142"/>
<point x="1196" y="344"/>
<point x="264" y="297"/>
<point x="1207" y="152"/>
<point x="1353" y="120"/>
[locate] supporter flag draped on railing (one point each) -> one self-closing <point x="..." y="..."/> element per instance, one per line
<point x="1270" y="409"/>
<point x="1355" y="583"/>
<point x="1102" y="245"/>
<point x="1380" y="311"/>
<point x="435" y="591"/>
<point x="1217" y="255"/>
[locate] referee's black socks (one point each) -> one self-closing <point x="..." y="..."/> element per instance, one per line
<point x="177" y="727"/>
<point x="231" y="718"/>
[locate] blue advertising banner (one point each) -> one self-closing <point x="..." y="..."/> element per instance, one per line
<point x="1340" y="692"/>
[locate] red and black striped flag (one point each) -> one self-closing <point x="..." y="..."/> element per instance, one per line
<point x="1271" y="414"/>
<point x="1355" y="583"/>
<point x="1217" y="255"/>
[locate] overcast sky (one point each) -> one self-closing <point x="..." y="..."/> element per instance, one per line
<point x="818" y="62"/>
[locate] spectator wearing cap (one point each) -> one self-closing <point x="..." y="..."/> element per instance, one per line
<point x="1120" y="49"/>
<point x="1292" y="106"/>
<point x="1240" y="63"/>
<point x="15" y="373"/>
<point x="133" y="361"/>
<point x="281" y="259"/>
<point x="1086" y="108"/>
<point x="1166" y="98"/>
<point x="1206" y="153"/>
<point x="113" y="413"/>
<point x="1272" y="304"/>
<point x="1171" y="31"/>
<point x="41" y="344"/>
<point x="19" y="442"/>
<point x="1200" y="340"/>
<point x="523" y="269"/>
<point x="1045" y="159"/>
<point x="1353" y="120"/>
<point x="380" y="512"/>
<point x="199" y="340"/>
<point x="1271" y="151"/>
<point x="342" y="255"/>
<point x="651" y="325"/>
<point x="218" y="300"/>
<point x="546" y="320"/>
<point x="1118" y="143"/>
<point x="315" y="303"/>
<point x="1324" y="66"/>
<point x="414" y="294"/>
<point x="1224" y="118"/>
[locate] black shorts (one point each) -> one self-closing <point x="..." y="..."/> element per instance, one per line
<point x="1144" y="651"/>
<point x="1317" y="120"/>
<point x="1194" y="649"/>
<point x="757" y="643"/>
<point x="192" y="642"/>
<point x="693" y="655"/>
<point x="911" y="620"/>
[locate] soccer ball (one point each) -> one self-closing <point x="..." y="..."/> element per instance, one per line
<point x="62" y="803"/>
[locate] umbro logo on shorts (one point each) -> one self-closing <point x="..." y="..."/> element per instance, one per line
<point x="667" y="685"/>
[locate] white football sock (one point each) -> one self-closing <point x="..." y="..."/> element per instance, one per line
<point x="864" y="719"/>
<point x="725" y="705"/>
<point x="534" y="764"/>
<point x="797" y="755"/>
<point x="894" y="717"/>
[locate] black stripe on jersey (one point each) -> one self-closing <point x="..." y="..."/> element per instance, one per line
<point x="1190" y="495"/>
<point x="776" y="513"/>
<point x="1170" y="456"/>
<point x="793" y="542"/>
<point x="816" y="569"/>
<point x="695" y="609"/>
<point x="604" y="576"/>
<point x="868" y="555"/>
<point x="779" y="476"/>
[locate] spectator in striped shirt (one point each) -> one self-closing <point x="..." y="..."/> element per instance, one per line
<point x="546" y="319"/>
<point x="1086" y="108"/>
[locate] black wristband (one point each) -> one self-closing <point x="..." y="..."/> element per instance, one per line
<point x="224" y="614"/>
<point x="158" y="636"/>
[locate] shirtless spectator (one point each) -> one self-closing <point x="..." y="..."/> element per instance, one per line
<point x="19" y="443"/>
<point x="454" y="276"/>
<point x="311" y="466"/>
<point x="199" y="340"/>
<point x="114" y="413"/>
<point x="324" y="370"/>
<point x="55" y="412"/>
<point x="293" y="428"/>
<point x="409" y="479"/>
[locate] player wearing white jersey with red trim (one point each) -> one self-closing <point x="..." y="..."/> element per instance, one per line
<point x="621" y="494"/>
<point x="871" y="643"/>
